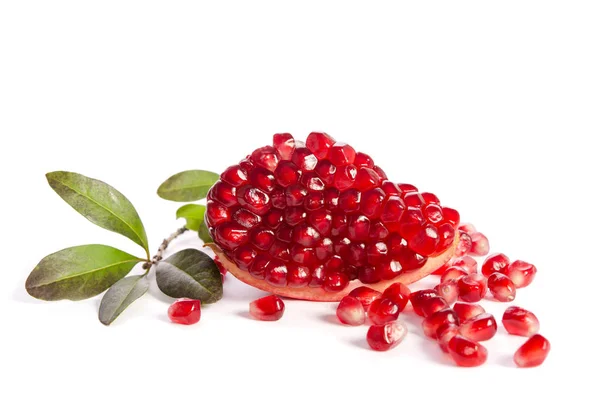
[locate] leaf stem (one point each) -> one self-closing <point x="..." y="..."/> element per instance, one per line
<point x="163" y="246"/>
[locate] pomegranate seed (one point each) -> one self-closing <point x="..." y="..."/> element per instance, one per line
<point x="466" y="262"/>
<point x="284" y="144"/>
<point x="386" y="337"/>
<point x="363" y="160"/>
<point x="319" y="143"/>
<point x="472" y="288"/>
<point x="433" y="305"/>
<point x="467" y="228"/>
<point x="438" y="319"/>
<point x="521" y="273"/>
<point x="234" y="175"/>
<point x="444" y="334"/>
<point x="418" y="298"/>
<point x="479" y="328"/>
<point x="397" y="293"/>
<point x="518" y="321"/>
<point x="447" y="290"/>
<point x="466" y="311"/>
<point x="335" y="282"/>
<point x="480" y="245"/>
<point x="383" y="311"/>
<point x="466" y="353"/>
<point x="453" y="273"/>
<point x="533" y="352"/>
<point x="442" y="269"/>
<point x="341" y="154"/>
<point x="501" y="287"/>
<point x="366" y="179"/>
<point x="365" y="295"/>
<point x="350" y="311"/>
<point x="464" y="244"/>
<point x="495" y="263"/>
<point x="266" y="157"/>
<point x="185" y="311"/>
<point x="268" y="308"/>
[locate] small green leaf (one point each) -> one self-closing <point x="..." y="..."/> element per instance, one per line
<point x="204" y="234"/>
<point x="193" y="214"/>
<point x="190" y="274"/>
<point x="122" y="294"/>
<point x="100" y="203"/>
<point x="79" y="272"/>
<point x="187" y="185"/>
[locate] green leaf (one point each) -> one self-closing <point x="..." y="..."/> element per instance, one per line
<point x="187" y="185"/>
<point x="204" y="234"/>
<point x="193" y="214"/>
<point x="122" y="294"/>
<point x="100" y="203"/>
<point x="79" y="272"/>
<point x="190" y="274"/>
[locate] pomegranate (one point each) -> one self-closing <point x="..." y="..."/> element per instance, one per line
<point x="383" y="311"/>
<point x="472" y="288"/>
<point x="438" y="319"/>
<point x="268" y="308"/>
<point x="350" y="311"/>
<point x="479" y="328"/>
<point x="314" y="221"/>
<point x="365" y="295"/>
<point x="518" y="321"/>
<point x="501" y="287"/>
<point x="521" y="273"/>
<point x="533" y="352"/>
<point x="495" y="263"/>
<point x="466" y="353"/>
<point x="466" y="311"/>
<point x="418" y="298"/>
<point x="386" y="337"/>
<point x="448" y="291"/>
<point x="185" y="311"/>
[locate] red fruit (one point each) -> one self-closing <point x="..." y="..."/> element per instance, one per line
<point x="383" y="311"/>
<point x="185" y="311"/>
<point x="279" y="216"/>
<point x="467" y="228"/>
<point x="471" y="288"/>
<point x="501" y="287"/>
<point x="386" y="337"/>
<point x="350" y="311"/>
<point x="480" y="245"/>
<point x="495" y="263"/>
<point x="466" y="353"/>
<point x="521" y="273"/>
<point x="397" y="293"/>
<point x="518" y="321"/>
<point x="433" y="305"/>
<point x="365" y="295"/>
<point x="222" y="269"/>
<point x="533" y="352"/>
<point x="479" y="328"/>
<point x="268" y="308"/>
<point x="444" y="334"/>
<point x="448" y="291"/>
<point x="464" y="244"/>
<point x="466" y="311"/>
<point x="443" y="317"/>
<point x="453" y="273"/>
<point x="418" y="298"/>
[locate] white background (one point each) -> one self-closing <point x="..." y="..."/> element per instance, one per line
<point x="494" y="106"/>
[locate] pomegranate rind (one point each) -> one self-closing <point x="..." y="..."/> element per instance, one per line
<point x="319" y="294"/>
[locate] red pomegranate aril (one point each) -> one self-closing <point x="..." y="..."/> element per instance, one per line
<point x="471" y="288"/>
<point x="533" y="352"/>
<point x="380" y="172"/>
<point x="234" y="175"/>
<point x="230" y="235"/>
<point x="397" y="293"/>
<point x="335" y="282"/>
<point x="350" y="311"/>
<point x="363" y="160"/>
<point x="480" y="245"/>
<point x="185" y="311"/>
<point x="464" y="245"/>
<point x="430" y="198"/>
<point x="262" y="238"/>
<point x="268" y="308"/>
<point x="350" y="201"/>
<point x="446" y="232"/>
<point x="344" y="177"/>
<point x="341" y="154"/>
<point x="418" y="298"/>
<point x="266" y="157"/>
<point x="317" y="277"/>
<point x="319" y="143"/>
<point x="451" y="215"/>
<point x="389" y="270"/>
<point x="521" y="273"/>
<point x="479" y="328"/>
<point x="371" y="202"/>
<point x="433" y="213"/>
<point x="467" y="228"/>
<point x="466" y="262"/>
<point x="386" y="337"/>
<point x="444" y="334"/>
<point x="262" y="179"/>
<point x="423" y="240"/>
<point x="287" y="174"/>
<point x="447" y="290"/>
<point x="276" y="273"/>
<point x="432" y="323"/>
<point x="519" y="321"/>
<point x="284" y="144"/>
<point x="433" y="305"/>
<point x="495" y="263"/>
<point x="305" y="235"/>
<point x="365" y="295"/>
<point x="326" y="171"/>
<point x="466" y="311"/>
<point x="367" y="179"/>
<point x="304" y="159"/>
<point x="224" y="193"/>
<point x="501" y="287"/>
<point x="453" y="273"/>
<point x="298" y="276"/>
<point x="383" y="311"/>
<point x="467" y="353"/>
<point x="324" y="249"/>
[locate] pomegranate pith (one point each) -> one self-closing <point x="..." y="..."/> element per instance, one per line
<point x="533" y="352"/>
<point x="350" y="311"/>
<point x="185" y="311"/>
<point x="518" y="321"/>
<point x="386" y="337"/>
<point x="268" y="308"/>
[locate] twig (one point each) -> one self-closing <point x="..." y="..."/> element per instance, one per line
<point x="163" y="246"/>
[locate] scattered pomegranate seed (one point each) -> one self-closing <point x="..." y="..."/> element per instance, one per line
<point x="467" y="353"/>
<point x="268" y="308"/>
<point x="432" y="323"/>
<point x="448" y="291"/>
<point x="386" y="337"/>
<point x="418" y="298"/>
<point x="383" y="311"/>
<point x="501" y="287"/>
<point x="518" y="321"/>
<point x="464" y="244"/>
<point x="495" y="263"/>
<point x="533" y="352"/>
<point x="521" y="273"/>
<point x="479" y="328"/>
<point x="466" y="262"/>
<point x="453" y="273"/>
<point x="433" y="305"/>
<point x="397" y="293"/>
<point x="444" y="334"/>
<point x="185" y="311"/>
<point x="365" y="295"/>
<point x="350" y="311"/>
<point x="472" y="288"/>
<point x="466" y="311"/>
<point x="467" y="228"/>
<point x="480" y="245"/>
